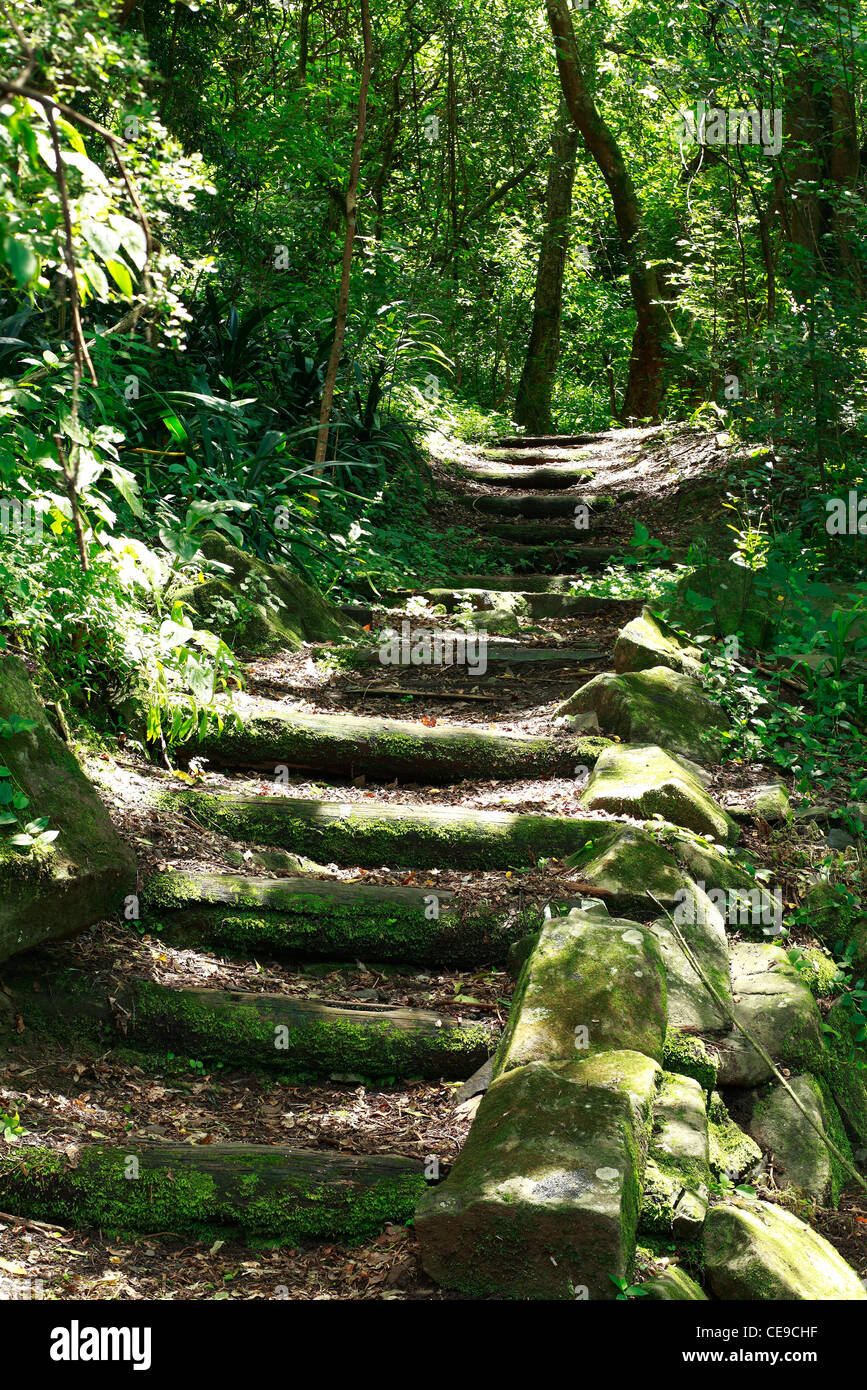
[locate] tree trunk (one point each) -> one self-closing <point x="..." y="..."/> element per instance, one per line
<point x="645" y="387"/>
<point x="349" y="242"/>
<point x="533" y="399"/>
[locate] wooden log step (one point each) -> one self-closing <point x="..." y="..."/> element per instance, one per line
<point x="502" y="583"/>
<point x="347" y="745"/>
<point x="240" y="1029"/>
<point x="401" y="836"/>
<point x="553" y="476"/>
<point x="504" y="653"/>
<point x="260" y="1191"/>
<point x="530" y="604"/>
<point x="553" y="533"/>
<point x="547" y="441"/>
<point x="327" y="919"/>
<point x="530" y="504"/>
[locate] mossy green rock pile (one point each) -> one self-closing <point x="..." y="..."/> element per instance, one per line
<point x="760" y="1251"/>
<point x="544" y="1198"/>
<point x="654" y="706"/>
<point x="646" y="781"/>
<point x="591" y="984"/>
<point x="87" y="871"/>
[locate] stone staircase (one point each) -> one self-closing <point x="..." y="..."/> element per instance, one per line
<point x="602" y="1118"/>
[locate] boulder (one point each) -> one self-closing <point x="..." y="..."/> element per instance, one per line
<point x="776" y="1006"/>
<point x="837" y="919"/>
<point x="55" y="890"/>
<point x="646" y="781"/>
<point x="802" y="1160"/>
<point x="628" y="864"/>
<point x="649" y="641"/>
<point x="543" y="1200"/>
<point x="260" y="608"/>
<point x="732" y="1154"/>
<point x="758" y="1251"/>
<point x="673" y="1286"/>
<point x="770" y="801"/>
<point x="691" y="1005"/>
<point x="678" y="1173"/>
<point x="591" y="984"/>
<point x="654" y="706"/>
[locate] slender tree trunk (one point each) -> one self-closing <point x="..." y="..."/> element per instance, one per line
<point x="533" y="399"/>
<point x="645" y="387"/>
<point x="349" y="242"/>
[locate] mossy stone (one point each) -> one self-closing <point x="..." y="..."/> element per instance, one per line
<point x="590" y="985"/>
<point x="643" y="781"/>
<point x="649" y="641"/>
<point x="731" y="1152"/>
<point x="656" y="706"/>
<point x="676" y="1182"/>
<point x="283" y="613"/>
<point x="673" y="1286"/>
<point x="802" y="1160"/>
<point x="777" y="1008"/>
<point x="84" y="876"/>
<point x="758" y="1251"/>
<point x="543" y="1200"/>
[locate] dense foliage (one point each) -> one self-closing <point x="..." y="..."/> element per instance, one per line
<point x="173" y="204"/>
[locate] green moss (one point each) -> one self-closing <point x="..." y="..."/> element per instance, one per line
<point x="836" y="1132"/>
<point x="404" y="836"/>
<point x="731" y="1152"/>
<point x="178" y="1196"/>
<point x="316" y="928"/>
<point x="690" y="1056"/>
<point x="842" y="1065"/>
<point x="249" y="1031"/>
<point x="818" y="971"/>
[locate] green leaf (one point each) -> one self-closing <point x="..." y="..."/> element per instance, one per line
<point x="20" y="259"/>
<point x="121" y="277"/>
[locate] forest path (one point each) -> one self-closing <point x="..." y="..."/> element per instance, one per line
<point x="336" y="955"/>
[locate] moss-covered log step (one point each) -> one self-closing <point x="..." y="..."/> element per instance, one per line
<point x="532" y="504"/>
<point x="326" y="919"/>
<point x="503" y="583"/>
<point x="516" y="599"/>
<point x="306" y="1036"/>
<point x="496" y="653"/>
<point x="257" y="1190"/>
<point x="348" y="745"/>
<point x="534" y="533"/>
<point x="553" y="475"/>
<point x="545" y="441"/>
<point x="402" y="836"/>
